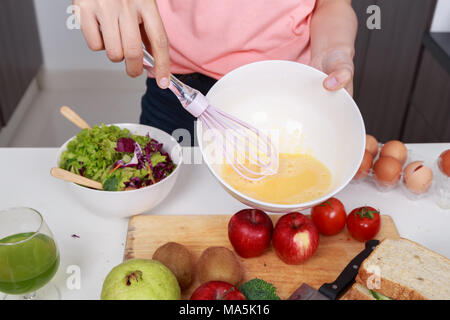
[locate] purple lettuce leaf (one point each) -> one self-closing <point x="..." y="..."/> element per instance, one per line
<point x="122" y="164"/>
<point x="125" y="145"/>
<point x="153" y="146"/>
<point x="138" y="159"/>
<point x="134" y="182"/>
<point x="148" y="156"/>
<point x="82" y="170"/>
<point x="163" y="169"/>
<point x="138" y="156"/>
<point x="142" y="159"/>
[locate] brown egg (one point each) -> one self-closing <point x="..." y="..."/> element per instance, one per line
<point x="444" y="162"/>
<point x="371" y="145"/>
<point x="387" y="171"/>
<point x="417" y="177"/>
<point x="365" y="166"/>
<point x="395" y="149"/>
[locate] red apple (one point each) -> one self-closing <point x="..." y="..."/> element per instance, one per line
<point x="217" y="290"/>
<point x="250" y="232"/>
<point x="295" y="238"/>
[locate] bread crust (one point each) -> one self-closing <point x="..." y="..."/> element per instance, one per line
<point x="354" y="294"/>
<point x="390" y="288"/>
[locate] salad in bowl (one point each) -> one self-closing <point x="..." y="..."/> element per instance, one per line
<point x="137" y="165"/>
<point x="117" y="158"/>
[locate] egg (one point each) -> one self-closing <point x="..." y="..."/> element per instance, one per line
<point x="444" y="162"/>
<point x="417" y="177"/>
<point x="387" y="171"/>
<point x="372" y="145"/>
<point x="395" y="149"/>
<point x="365" y="166"/>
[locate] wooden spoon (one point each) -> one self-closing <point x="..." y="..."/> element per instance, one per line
<point x="73" y="117"/>
<point x="75" y="178"/>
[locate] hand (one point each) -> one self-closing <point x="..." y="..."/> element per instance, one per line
<point x="338" y="64"/>
<point x="120" y="27"/>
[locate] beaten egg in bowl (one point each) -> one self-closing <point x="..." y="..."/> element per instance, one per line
<point x="300" y="178"/>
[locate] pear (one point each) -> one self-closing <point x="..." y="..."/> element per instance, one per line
<point x="140" y="279"/>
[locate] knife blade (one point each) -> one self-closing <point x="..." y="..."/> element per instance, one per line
<point x="331" y="291"/>
<point x="306" y="292"/>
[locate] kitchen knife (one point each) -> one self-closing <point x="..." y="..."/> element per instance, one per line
<point x="331" y="291"/>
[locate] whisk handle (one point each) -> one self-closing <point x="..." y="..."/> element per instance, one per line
<point x="191" y="99"/>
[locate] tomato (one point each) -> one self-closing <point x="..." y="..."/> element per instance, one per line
<point x="329" y="217"/>
<point x="364" y="223"/>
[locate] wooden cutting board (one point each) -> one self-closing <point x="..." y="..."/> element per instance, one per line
<point x="197" y="232"/>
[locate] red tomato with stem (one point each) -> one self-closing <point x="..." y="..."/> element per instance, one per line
<point x="329" y="217"/>
<point x="364" y="223"/>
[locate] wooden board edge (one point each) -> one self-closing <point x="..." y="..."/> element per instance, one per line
<point x="388" y="217"/>
<point x="130" y="238"/>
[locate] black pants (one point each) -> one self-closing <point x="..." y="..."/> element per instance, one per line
<point x="161" y="108"/>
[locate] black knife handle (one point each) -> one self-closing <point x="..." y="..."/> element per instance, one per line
<point x="333" y="290"/>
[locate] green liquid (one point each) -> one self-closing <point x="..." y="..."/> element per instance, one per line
<point x="26" y="267"/>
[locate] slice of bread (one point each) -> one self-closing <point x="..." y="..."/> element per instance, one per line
<point x="357" y="292"/>
<point x="408" y="271"/>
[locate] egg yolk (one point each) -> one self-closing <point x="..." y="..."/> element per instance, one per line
<point x="300" y="178"/>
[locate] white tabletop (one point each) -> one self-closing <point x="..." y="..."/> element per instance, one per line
<point x="26" y="182"/>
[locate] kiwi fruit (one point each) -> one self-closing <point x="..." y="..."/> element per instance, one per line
<point x="218" y="264"/>
<point x="178" y="259"/>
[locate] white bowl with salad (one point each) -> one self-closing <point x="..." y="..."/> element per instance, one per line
<point x="137" y="166"/>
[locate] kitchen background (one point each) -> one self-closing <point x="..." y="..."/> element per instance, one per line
<point x="402" y="80"/>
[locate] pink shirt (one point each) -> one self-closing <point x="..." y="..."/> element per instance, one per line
<point x="214" y="37"/>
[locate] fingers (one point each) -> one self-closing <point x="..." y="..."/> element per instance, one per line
<point x="349" y="88"/>
<point x="146" y="41"/>
<point x="109" y="23"/>
<point x="91" y="30"/>
<point x="145" y="38"/>
<point x="115" y="27"/>
<point x="338" y="79"/>
<point x="154" y="28"/>
<point x="131" y="42"/>
<point x="339" y="67"/>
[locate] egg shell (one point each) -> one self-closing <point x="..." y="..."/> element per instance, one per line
<point x="372" y="145"/>
<point x="366" y="165"/>
<point x="417" y="177"/>
<point x="387" y="171"/>
<point x="395" y="149"/>
<point x="444" y="162"/>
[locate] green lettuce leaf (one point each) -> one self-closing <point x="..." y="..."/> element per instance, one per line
<point x="156" y="158"/>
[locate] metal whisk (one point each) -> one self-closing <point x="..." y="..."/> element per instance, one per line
<point x="248" y="150"/>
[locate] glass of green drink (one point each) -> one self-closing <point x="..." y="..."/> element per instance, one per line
<point x="29" y="256"/>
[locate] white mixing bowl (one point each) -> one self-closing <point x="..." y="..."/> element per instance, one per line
<point x="289" y="96"/>
<point x="128" y="203"/>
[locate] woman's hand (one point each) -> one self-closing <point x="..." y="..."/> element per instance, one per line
<point x="333" y="32"/>
<point x="120" y="27"/>
<point x="338" y="64"/>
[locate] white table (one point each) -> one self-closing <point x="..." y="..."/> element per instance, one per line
<point x="26" y="182"/>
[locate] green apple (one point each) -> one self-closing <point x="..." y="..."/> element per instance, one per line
<point x="140" y="279"/>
